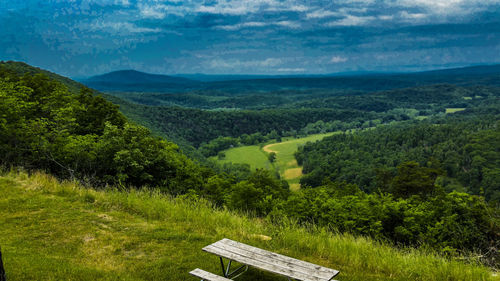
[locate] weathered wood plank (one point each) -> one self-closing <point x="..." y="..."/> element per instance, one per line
<point x="205" y="275"/>
<point x="323" y="271"/>
<point x="284" y="271"/>
<point x="267" y="257"/>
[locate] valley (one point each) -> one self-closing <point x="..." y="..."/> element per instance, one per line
<point x="341" y="163"/>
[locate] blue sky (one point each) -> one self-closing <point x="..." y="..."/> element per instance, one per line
<point x="80" y="38"/>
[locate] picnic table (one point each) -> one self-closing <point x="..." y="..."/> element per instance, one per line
<point x="266" y="260"/>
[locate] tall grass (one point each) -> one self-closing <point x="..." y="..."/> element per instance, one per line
<point x="60" y="231"/>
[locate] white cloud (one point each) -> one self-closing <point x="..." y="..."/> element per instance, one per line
<point x="236" y="7"/>
<point x="125" y="3"/>
<point x="120" y="27"/>
<point x="362" y="2"/>
<point x="386" y="17"/>
<point x="431" y="4"/>
<point x="289" y="24"/>
<point x="299" y="8"/>
<point x="243" y="25"/>
<point x="155" y="12"/>
<point x="242" y="7"/>
<point x="291" y="69"/>
<point x="270" y="62"/>
<point x="238" y="64"/>
<point x="338" y="59"/>
<point x="321" y="14"/>
<point x="286" y="6"/>
<point x="160" y="10"/>
<point x="222" y="10"/>
<point x="412" y="16"/>
<point x="447" y="7"/>
<point x="351" y="20"/>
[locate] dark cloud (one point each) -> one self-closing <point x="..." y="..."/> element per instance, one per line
<point x="87" y="37"/>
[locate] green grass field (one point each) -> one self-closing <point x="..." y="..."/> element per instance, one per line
<point x="453" y="110"/>
<point x="252" y="155"/>
<point x="285" y="162"/>
<point x="285" y="159"/>
<point x="61" y="231"/>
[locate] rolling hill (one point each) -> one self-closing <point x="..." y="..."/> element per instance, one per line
<point x="132" y="80"/>
<point x="62" y="231"/>
<point x="136" y="77"/>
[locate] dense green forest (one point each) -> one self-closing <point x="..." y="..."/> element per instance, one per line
<point x="222" y="114"/>
<point x="44" y="125"/>
<point x="198" y="126"/>
<point x="418" y="213"/>
<point x="422" y="98"/>
<point x="204" y="128"/>
<point x="461" y="149"/>
<point x="231" y="114"/>
<point x="294" y="113"/>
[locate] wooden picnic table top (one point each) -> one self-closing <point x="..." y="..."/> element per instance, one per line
<point x="269" y="261"/>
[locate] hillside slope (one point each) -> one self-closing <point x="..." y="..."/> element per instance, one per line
<point x="60" y="231"/>
<point x="22" y="68"/>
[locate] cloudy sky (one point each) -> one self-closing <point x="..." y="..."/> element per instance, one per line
<point x="80" y="38"/>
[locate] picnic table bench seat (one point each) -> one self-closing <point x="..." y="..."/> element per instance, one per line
<point x="205" y="275"/>
<point x="269" y="261"/>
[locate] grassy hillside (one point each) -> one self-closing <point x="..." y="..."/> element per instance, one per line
<point x="60" y="231"/>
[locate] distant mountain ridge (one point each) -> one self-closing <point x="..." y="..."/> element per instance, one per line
<point x="136" y="81"/>
<point x="136" y="77"/>
<point x="472" y="70"/>
<point x="115" y="76"/>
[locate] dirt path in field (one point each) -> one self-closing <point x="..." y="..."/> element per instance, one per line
<point x="292" y="171"/>
<point x="268" y="149"/>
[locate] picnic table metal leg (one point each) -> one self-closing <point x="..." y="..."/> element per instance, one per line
<point x="2" y="270"/>
<point x="234" y="274"/>
<point x="223" y="267"/>
<point x="226" y="271"/>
